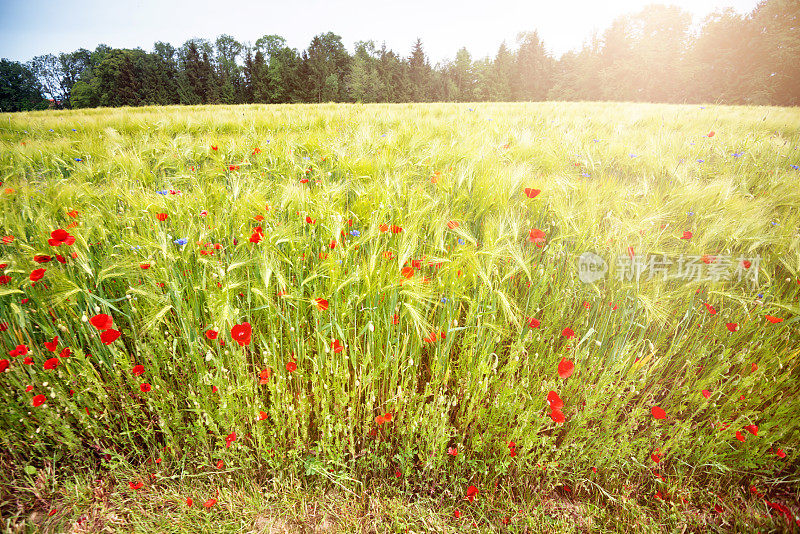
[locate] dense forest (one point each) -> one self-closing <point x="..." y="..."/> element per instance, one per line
<point x="655" y="55"/>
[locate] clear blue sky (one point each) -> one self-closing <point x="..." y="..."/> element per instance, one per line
<point x="33" y="27"/>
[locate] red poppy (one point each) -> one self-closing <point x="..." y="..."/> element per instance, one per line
<point x="554" y="401"/>
<point x="38" y="400"/>
<point x="262" y="416"/>
<point x="733" y="327"/>
<point x="214" y="147"/>
<point x="309" y="220"/>
<point x="60" y="237"/>
<point x="138" y="370"/>
<point x="398" y="474"/>
<point x="531" y="193"/>
<point x="66" y="353"/>
<point x="452" y="225"/>
<point x="396" y="229"/>
<point x="41" y="259"/>
<point x="452" y="451"/>
<point x="336" y="346"/>
<point x="321" y="304"/>
<point x="710" y="134"/>
<point x="384" y="228"/>
<point x="189" y="502"/>
<point x="255" y="237"/>
<point x="4" y="365"/>
<point x="135" y="485"/>
<point x="710" y="308"/>
<point x="753" y="429"/>
<point x="333" y="244"/>
<point x="52" y="363"/>
<point x="557" y="416"/>
<point x="658" y="413"/>
<point x="568" y="333"/>
<point x="780" y="453"/>
<point x="537" y="236"/>
<point x="209" y="503"/>
<point x="534" y="323"/>
<point x="4" y="279"/>
<point x="220" y="464"/>
<point x="8" y="239"/>
<point x="241" y="333"/>
<point x="211" y="334"/>
<point x="109" y="336"/>
<point x="52" y="345"/>
<point x="472" y="491"/>
<point x="686" y="235"/>
<point x="774" y="320"/>
<point x="565" y="368"/>
<point x="233" y="167"/>
<point x="656" y="456"/>
<point x="395" y="319"/>
<point x="102" y="321"/>
<point x="230" y="439"/>
<point x="706" y="393"/>
<point x="263" y="377"/>
<point x="456" y="514"/>
<point x="739" y="436"/>
<point x="407" y="272"/>
<point x="162" y="217"/>
<point x="37" y="274"/>
<point x="291" y="367"/>
<point x="145" y="387"/>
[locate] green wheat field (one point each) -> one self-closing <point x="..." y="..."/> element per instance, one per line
<point x="373" y="318"/>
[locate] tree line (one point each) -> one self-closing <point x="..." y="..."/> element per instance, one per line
<point x="653" y="55"/>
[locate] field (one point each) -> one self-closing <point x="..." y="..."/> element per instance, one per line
<point x="375" y="318"/>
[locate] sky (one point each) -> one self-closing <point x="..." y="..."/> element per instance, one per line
<point x="33" y="27"/>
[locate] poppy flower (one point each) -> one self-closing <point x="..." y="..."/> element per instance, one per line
<point x="65" y="353"/>
<point x="780" y="454"/>
<point x="102" y="321"/>
<point x="262" y="415"/>
<point x="209" y="503"/>
<point x="321" y="304"/>
<point x="753" y="429"/>
<point x="60" y="237"/>
<point x="656" y="456"/>
<point x="706" y="393"/>
<point x="472" y="491"/>
<point x="336" y="346"/>
<point x="309" y="220"/>
<point x="162" y="217"/>
<point x="41" y="259"/>
<point x="145" y="387"/>
<point x="452" y="451"/>
<point x="396" y="229"/>
<point x="774" y="320"/>
<point x="739" y="436"/>
<point x="534" y="323"/>
<point x="135" y="485"/>
<point x="710" y="308"/>
<point x="52" y="345"/>
<point x="4" y="365"/>
<point x="291" y="367"/>
<point x="565" y="368"/>
<point x="557" y="416"/>
<point x="384" y="228"/>
<point x="230" y="439"/>
<point x="241" y="333"/>
<point x="212" y="334"/>
<point x="38" y="400"/>
<point x="138" y="370"/>
<point x="554" y="401"/>
<point x="732" y="327"/>
<point x="531" y="193"/>
<point x="407" y="272"/>
<point x="658" y="413"/>
<point x="537" y="236"/>
<point x="233" y="167"/>
<point x="686" y="235"/>
<point x="214" y="147"/>
<point x="144" y="266"/>
<point x="452" y="225"/>
<point x="263" y="377"/>
<point x="710" y="134"/>
<point x="109" y="336"/>
<point x="189" y="502"/>
<point x="568" y="333"/>
<point x="333" y="244"/>
<point x="28" y="360"/>
<point x="4" y="279"/>
<point x="37" y="274"/>
<point x="255" y="237"/>
<point x="395" y="319"/>
<point x="52" y="363"/>
<point x="220" y="464"/>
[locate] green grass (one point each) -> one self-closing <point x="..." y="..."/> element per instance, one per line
<point x="611" y="176"/>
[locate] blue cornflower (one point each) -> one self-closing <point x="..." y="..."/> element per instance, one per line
<point x="78" y="159"/>
<point x="596" y="140"/>
<point x="74" y="130"/>
<point x="633" y="155"/>
<point x="163" y="192"/>
<point x="761" y="295"/>
<point x="796" y="167"/>
<point x="585" y="174"/>
<point x="51" y="129"/>
<point x="737" y="154"/>
<point x="182" y="241"/>
<point x="460" y="241"/>
<point x="700" y="160"/>
<point x="471" y="109"/>
<point x="306" y="157"/>
<point x="355" y="233"/>
<point x="444" y="299"/>
<point x="691" y="213"/>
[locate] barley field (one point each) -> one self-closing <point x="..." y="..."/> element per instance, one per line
<point x="379" y="318"/>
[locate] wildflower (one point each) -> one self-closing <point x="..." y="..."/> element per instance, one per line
<point x="687" y="235"/>
<point x="145" y="387"/>
<point x="137" y="370"/>
<point x="162" y="217"/>
<point x="60" y="237"/>
<point x="241" y="333"/>
<point x="472" y="491"/>
<point x="52" y="345"/>
<point x="537" y="236"/>
<point x="102" y="321"/>
<point x="182" y="241"/>
<point x="291" y="367"/>
<point x="37" y="274"/>
<point x="109" y="336"/>
<point x="774" y="320"/>
<point x="38" y="400"/>
<point x="452" y="451"/>
<point x="554" y="401"/>
<point x="658" y="413"/>
<point x="336" y="346"/>
<point x="263" y="377"/>
<point x="534" y="323"/>
<point x="565" y="368"/>
<point x="321" y="304"/>
<point x="52" y="363"/>
<point x="531" y="193"/>
<point x="230" y="439"/>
